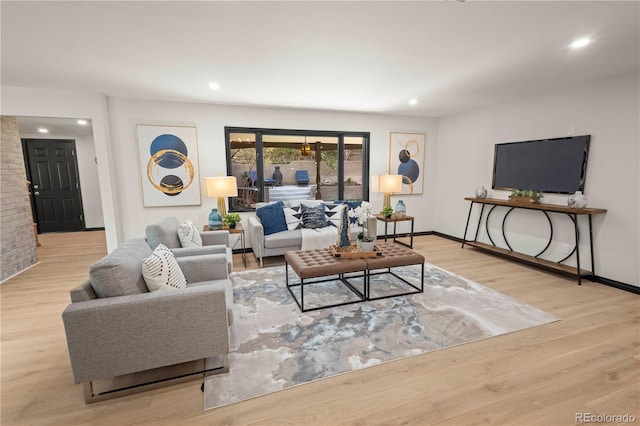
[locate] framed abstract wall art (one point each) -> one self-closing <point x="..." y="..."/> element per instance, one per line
<point x="168" y="165"/>
<point x="406" y="158"/>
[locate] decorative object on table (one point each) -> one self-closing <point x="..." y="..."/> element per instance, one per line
<point x="168" y="158"/>
<point x="344" y="236"/>
<point x="277" y="176"/>
<point x="406" y="157"/>
<point x="389" y="184"/>
<point x="231" y="219"/>
<point x="386" y="212"/>
<point x="366" y="242"/>
<point x="481" y="192"/>
<point x="525" y="196"/>
<point x="361" y="212"/>
<point x="215" y="219"/>
<point x="220" y="187"/>
<point x="354" y="252"/>
<point x="401" y="209"/>
<point x="577" y="200"/>
<point x="366" y="238"/>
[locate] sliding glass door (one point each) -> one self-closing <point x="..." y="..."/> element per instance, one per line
<point x="272" y="165"/>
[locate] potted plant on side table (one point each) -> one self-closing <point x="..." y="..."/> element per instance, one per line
<point x="386" y="212"/>
<point x="231" y="219"/>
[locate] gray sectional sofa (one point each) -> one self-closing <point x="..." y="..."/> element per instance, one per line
<point x="280" y="242"/>
<point x="115" y="326"/>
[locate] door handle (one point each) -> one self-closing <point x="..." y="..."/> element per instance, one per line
<point x="36" y="193"/>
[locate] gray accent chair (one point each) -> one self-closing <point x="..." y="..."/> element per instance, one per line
<point x="115" y="326"/>
<point x="166" y="232"/>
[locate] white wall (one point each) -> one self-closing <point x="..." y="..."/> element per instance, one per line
<point x="88" y="174"/>
<point x="210" y="121"/>
<point x="21" y="101"/>
<point x="608" y="110"/>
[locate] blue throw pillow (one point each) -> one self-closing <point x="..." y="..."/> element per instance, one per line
<point x="314" y="217"/>
<point x="272" y="218"/>
<point x="351" y="204"/>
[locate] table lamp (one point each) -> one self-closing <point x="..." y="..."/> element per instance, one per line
<point x="387" y="185"/>
<point x="221" y="187"/>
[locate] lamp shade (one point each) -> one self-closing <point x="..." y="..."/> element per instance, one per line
<point x="221" y="186"/>
<point x="390" y="183"/>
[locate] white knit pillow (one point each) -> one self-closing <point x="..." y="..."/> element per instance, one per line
<point x="161" y="271"/>
<point x="189" y="235"/>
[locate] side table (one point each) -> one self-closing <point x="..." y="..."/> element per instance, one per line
<point x="395" y="219"/>
<point x="238" y="230"/>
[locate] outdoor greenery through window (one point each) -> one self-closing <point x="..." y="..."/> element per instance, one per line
<point x="272" y="165"/>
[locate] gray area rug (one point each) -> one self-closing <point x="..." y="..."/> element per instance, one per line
<point x="274" y="346"/>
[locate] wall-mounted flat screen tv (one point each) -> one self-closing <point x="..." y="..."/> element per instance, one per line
<point x="548" y="165"/>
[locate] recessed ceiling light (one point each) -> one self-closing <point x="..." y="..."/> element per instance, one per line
<point x="43" y="130"/>
<point x="214" y="86"/>
<point x="581" y="42"/>
<point x="82" y="122"/>
<point x="413" y="101"/>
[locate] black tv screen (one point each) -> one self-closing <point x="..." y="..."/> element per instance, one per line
<point x="548" y="165"/>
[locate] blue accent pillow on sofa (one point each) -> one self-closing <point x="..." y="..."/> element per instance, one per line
<point x="314" y="217"/>
<point x="272" y="218"/>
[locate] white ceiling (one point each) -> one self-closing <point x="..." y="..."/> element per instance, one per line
<point x="346" y="56"/>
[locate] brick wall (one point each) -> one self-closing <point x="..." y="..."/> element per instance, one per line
<point x="17" y="241"/>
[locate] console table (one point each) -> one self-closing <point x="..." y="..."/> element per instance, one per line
<point x="572" y="213"/>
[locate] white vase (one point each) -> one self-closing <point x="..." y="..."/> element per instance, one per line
<point x="366" y="245"/>
<point x="481" y="192"/>
<point x="577" y="200"/>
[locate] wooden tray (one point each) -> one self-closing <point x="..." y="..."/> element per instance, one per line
<point x="354" y="252"/>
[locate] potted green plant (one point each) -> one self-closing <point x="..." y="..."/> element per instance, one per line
<point x="231" y="219"/>
<point x="526" y="195"/>
<point x="386" y="212"/>
<point x="366" y="242"/>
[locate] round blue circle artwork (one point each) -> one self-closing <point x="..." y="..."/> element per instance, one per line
<point x="410" y="169"/>
<point x="168" y="160"/>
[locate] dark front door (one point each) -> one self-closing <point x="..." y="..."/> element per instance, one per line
<point x="55" y="188"/>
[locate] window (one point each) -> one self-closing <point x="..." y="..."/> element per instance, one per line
<point x="272" y="165"/>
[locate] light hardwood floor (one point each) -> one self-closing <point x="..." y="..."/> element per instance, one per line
<point x="589" y="362"/>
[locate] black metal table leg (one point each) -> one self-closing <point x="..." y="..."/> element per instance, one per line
<point x="464" y="237"/>
<point x="411" y="247"/>
<point x="577" y="232"/>
<point x="593" y="264"/>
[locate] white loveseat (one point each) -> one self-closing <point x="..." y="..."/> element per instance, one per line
<point x="278" y="243"/>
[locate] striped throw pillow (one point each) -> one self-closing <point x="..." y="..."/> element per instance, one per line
<point x="314" y="217"/>
<point x="161" y="271"/>
<point x="189" y="235"/>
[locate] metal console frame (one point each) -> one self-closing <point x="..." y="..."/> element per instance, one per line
<point x="572" y="213"/>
